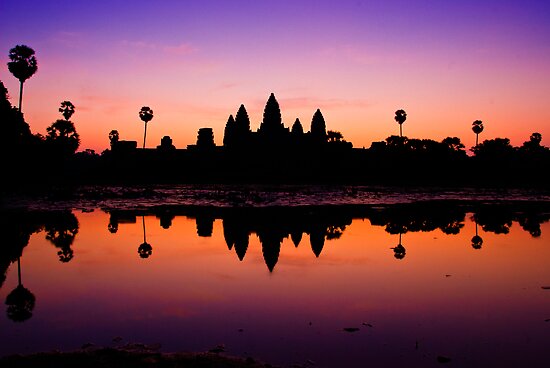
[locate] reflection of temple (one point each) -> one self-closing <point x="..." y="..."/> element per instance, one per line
<point x="323" y="223"/>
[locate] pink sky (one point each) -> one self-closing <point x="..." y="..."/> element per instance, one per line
<point x="447" y="64"/>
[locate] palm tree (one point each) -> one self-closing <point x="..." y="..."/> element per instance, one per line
<point x="400" y="117"/>
<point x="22" y="65"/>
<point x="477" y="127"/>
<point x="145" y="114"/>
<point x="66" y="109"/>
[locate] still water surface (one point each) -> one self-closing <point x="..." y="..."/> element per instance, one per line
<point x="285" y="290"/>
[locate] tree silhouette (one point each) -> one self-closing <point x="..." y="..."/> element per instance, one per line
<point x="15" y="131"/>
<point x="113" y="137"/>
<point x="400" y="117"/>
<point x="22" y="65"/>
<point x="145" y="114"/>
<point x="533" y="145"/>
<point x="66" y="109"/>
<point x="334" y="136"/>
<point x="318" y="127"/>
<point x="20" y="301"/>
<point x="477" y="128"/>
<point x="63" y="137"/>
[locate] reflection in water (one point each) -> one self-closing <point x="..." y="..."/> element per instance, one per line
<point x="61" y="229"/>
<point x="145" y="249"/>
<point x="20" y="301"/>
<point x="399" y="250"/>
<point x="329" y="268"/>
<point x="322" y="224"/>
<point x="477" y="241"/>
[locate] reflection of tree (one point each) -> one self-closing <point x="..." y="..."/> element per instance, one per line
<point x="495" y="220"/>
<point x="531" y="224"/>
<point x="477" y="241"/>
<point x="61" y="229"/>
<point x="145" y="249"/>
<point x="399" y="250"/>
<point x="16" y="229"/>
<point x="20" y="301"/>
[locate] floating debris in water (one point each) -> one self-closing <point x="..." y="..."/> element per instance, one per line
<point x="350" y="329"/>
<point x="545" y="287"/>
<point x="218" y="349"/>
<point x="367" y="324"/>
<point x="443" y="359"/>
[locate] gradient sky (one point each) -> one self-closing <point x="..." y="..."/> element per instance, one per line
<point x="447" y="63"/>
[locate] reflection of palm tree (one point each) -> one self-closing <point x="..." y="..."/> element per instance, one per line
<point x="20" y="301"/>
<point x="145" y="114"/>
<point x="145" y="249"/>
<point x="61" y="232"/>
<point x="477" y="241"/>
<point x="477" y="128"/>
<point x="22" y="65"/>
<point x="400" y="117"/>
<point x="399" y="250"/>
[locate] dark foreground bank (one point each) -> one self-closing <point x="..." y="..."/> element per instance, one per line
<point x="130" y="356"/>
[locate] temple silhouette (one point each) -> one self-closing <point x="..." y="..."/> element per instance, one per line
<point x="273" y="154"/>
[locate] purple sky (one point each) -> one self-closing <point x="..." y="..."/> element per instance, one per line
<point x="446" y="63"/>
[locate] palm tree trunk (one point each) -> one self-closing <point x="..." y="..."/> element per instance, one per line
<point x="476" y="138"/>
<point x="145" y="135"/>
<point x="19" y="270"/>
<point x="20" y="96"/>
<point x="400" y="130"/>
<point x="143" y="220"/>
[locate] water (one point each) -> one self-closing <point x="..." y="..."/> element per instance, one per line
<point x="283" y="285"/>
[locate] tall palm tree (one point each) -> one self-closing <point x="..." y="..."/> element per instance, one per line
<point x="477" y="127"/>
<point x="67" y="109"/>
<point x="22" y="65"/>
<point x="145" y="114"/>
<point x="400" y="117"/>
